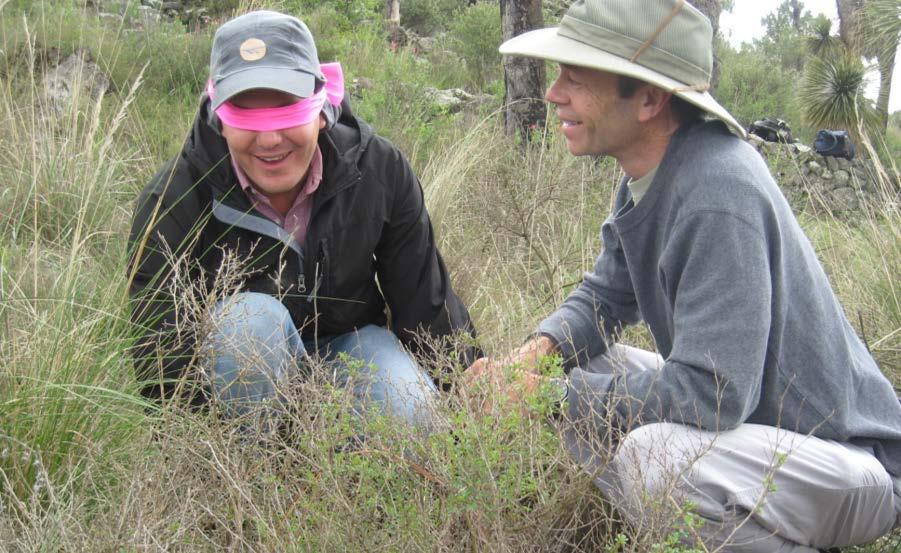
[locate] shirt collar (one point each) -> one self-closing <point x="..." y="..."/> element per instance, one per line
<point x="638" y="187"/>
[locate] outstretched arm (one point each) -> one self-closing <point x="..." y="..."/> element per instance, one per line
<point x="718" y="279"/>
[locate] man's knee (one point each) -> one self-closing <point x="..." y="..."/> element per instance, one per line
<point x="251" y="349"/>
<point x="652" y="459"/>
<point x="389" y="376"/>
<point x="806" y="490"/>
<point x="250" y="315"/>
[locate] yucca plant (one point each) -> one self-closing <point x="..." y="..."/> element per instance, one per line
<point x="832" y="95"/>
<point x="821" y="42"/>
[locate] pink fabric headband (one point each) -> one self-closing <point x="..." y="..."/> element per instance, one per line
<point x="300" y="113"/>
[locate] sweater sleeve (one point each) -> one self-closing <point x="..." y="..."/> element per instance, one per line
<point x="716" y="276"/>
<point x="587" y="322"/>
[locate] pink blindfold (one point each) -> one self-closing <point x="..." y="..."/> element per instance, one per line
<point x="300" y="113"/>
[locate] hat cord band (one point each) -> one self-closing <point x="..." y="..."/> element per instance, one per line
<point x="613" y="42"/>
<point x="663" y="25"/>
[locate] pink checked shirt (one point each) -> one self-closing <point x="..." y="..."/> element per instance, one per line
<point x="297" y="219"/>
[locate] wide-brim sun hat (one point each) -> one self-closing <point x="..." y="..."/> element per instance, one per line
<point x="666" y="43"/>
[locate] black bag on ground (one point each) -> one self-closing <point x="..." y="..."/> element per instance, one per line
<point x="835" y="144"/>
<point x="772" y="130"/>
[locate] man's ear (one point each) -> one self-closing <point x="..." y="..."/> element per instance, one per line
<point x="653" y="101"/>
<point x="322" y="121"/>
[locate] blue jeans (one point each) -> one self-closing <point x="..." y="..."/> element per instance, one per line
<point x="256" y="349"/>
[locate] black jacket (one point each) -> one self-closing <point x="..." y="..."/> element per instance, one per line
<point x="368" y="220"/>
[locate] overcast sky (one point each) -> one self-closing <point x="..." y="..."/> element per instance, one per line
<point x="743" y="25"/>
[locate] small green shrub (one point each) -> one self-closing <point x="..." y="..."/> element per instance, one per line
<point x="751" y="87"/>
<point x="475" y="34"/>
<point x="345" y="17"/>
<point x="426" y="17"/>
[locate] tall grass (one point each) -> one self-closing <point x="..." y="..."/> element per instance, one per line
<point x="68" y="410"/>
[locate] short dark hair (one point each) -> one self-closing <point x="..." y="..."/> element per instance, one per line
<point x="684" y="110"/>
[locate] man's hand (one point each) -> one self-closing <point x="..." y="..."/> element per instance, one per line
<point x="527" y="359"/>
<point x="486" y="380"/>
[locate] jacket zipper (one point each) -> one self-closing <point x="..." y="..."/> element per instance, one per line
<point x="319" y="272"/>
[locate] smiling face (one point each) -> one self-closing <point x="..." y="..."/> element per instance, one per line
<point x="594" y="119"/>
<point x="276" y="162"/>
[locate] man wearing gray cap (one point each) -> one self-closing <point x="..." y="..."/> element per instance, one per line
<point x="326" y="220"/>
<point x="763" y="413"/>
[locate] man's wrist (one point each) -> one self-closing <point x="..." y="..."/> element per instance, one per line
<point x="545" y="344"/>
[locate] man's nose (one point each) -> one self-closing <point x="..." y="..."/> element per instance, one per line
<point x="269" y="139"/>
<point x="553" y="96"/>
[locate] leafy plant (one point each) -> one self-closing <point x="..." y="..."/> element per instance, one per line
<point x="475" y="35"/>
<point x="832" y="96"/>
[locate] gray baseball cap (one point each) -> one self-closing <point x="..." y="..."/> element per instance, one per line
<point x="263" y="49"/>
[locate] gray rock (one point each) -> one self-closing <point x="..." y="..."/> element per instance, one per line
<point x="453" y="100"/>
<point x="841" y="178"/>
<point x="843" y="199"/>
<point x="832" y="163"/>
<point x="755" y="141"/>
<point x="148" y="17"/>
<point x="843" y="163"/>
<point x="114" y="17"/>
<point x="826" y="174"/>
<point x="815" y="168"/>
<point x="76" y="79"/>
<point x="772" y="148"/>
<point x="795" y="181"/>
<point x="360" y="84"/>
<point x="423" y="44"/>
<point x="108" y="6"/>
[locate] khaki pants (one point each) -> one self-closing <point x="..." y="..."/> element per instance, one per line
<point x="755" y="488"/>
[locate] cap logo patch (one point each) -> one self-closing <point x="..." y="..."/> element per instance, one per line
<point x="253" y="49"/>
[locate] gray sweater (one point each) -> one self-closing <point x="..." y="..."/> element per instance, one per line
<point x="713" y="260"/>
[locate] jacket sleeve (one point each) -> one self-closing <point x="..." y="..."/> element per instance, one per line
<point x="161" y="240"/>
<point x="411" y="272"/>
<point x="718" y="279"/>
<point x="589" y="320"/>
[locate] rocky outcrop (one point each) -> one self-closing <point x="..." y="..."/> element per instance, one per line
<point x="453" y="100"/>
<point x="189" y="12"/>
<point x="75" y="80"/>
<point x="818" y="184"/>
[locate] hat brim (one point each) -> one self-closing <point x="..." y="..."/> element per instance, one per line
<point x="546" y="44"/>
<point x="296" y="83"/>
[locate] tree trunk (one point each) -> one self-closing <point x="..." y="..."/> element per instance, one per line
<point x="712" y="9"/>
<point x="524" y="78"/>
<point x="886" y="72"/>
<point x="796" y="14"/>
<point x="392" y="10"/>
<point x="392" y="18"/>
<point x="849" y="17"/>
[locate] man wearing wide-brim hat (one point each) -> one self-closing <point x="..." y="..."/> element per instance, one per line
<point x="761" y="412"/>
